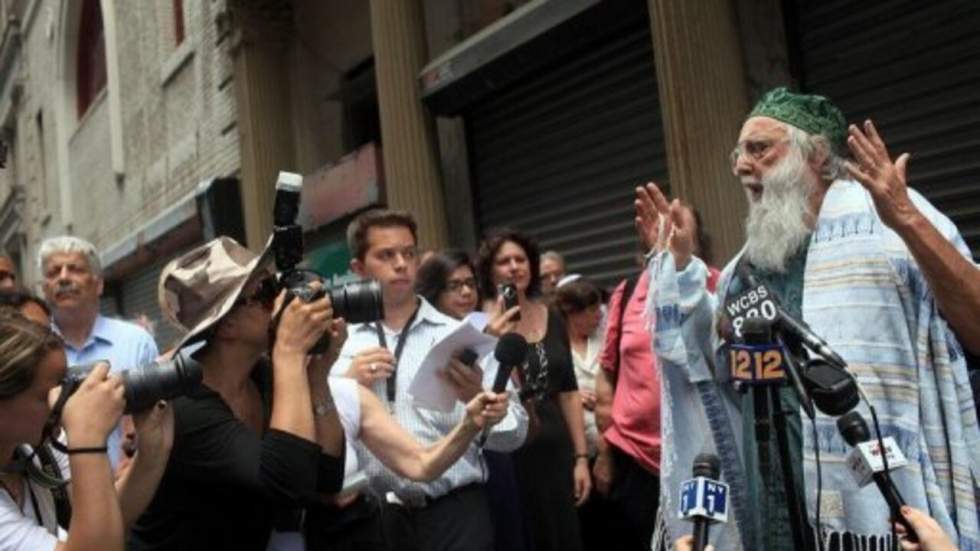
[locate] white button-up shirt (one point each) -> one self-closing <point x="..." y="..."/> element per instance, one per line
<point x="428" y="426"/>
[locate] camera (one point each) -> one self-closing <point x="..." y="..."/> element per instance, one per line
<point x="509" y="292"/>
<point x="148" y="384"/>
<point x="357" y="302"/>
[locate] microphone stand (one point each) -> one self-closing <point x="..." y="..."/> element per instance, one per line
<point x="766" y="399"/>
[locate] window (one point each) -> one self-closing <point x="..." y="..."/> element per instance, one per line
<point x="178" y="22"/>
<point x="91" y="66"/>
<point x="362" y="120"/>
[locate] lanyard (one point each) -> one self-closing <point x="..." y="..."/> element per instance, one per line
<point x="399" y="348"/>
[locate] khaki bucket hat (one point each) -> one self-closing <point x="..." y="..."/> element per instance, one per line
<point x="200" y="287"/>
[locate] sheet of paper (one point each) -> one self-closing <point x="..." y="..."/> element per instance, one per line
<point x="428" y="389"/>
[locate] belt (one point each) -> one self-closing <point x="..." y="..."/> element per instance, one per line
<point x="423" y="501"/>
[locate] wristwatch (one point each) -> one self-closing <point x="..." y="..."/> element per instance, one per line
<point x="321" y="408"/>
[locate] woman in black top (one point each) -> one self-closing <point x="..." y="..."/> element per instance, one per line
<point x="246" y="453"/>
<point x="552" y="466"/>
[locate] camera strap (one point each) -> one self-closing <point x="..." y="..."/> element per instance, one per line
<point x="399" y="348"/>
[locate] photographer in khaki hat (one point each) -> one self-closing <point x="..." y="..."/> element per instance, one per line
<point x="247" y="452"/>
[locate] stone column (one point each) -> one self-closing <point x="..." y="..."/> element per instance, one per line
<point x="412" y="178"/>
<point x="264" y="119"/>
<point x="704" y="100"/>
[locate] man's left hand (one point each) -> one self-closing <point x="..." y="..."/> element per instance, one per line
<point x="885" y="180"/>
<point x="465" y="381"/>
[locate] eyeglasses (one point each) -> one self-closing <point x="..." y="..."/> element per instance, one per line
<point x="755" y="149"/>
<point x="264" y="295"/>
<point x="456" y="285"/>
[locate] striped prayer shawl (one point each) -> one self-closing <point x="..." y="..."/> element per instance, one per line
<point x="864" y="293"/>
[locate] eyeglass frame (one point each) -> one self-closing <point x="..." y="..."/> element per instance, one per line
<point x="456" y="285"/>
<point x="763" y="148"/>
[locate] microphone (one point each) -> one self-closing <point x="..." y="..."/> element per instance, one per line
<point x="833" y="390"/>
<point x="786" y="323"/>
<point x="800" y="330"/>
<point x="866" y="463"/>
<point x="510" y="352"/>
<point x="704" y="499"/>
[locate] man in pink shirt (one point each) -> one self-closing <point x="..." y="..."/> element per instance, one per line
<point x="627" y="411"/>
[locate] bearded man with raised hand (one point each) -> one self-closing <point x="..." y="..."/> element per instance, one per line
<point x="815" y="239"/>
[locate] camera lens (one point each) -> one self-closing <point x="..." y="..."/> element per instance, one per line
<point x="160" y="381"/>
<point x="358" y="302"/>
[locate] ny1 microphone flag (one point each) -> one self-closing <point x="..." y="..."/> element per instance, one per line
<point x="705" y="498"/>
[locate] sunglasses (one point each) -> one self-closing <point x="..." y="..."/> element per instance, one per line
<point x="264" y="295"/>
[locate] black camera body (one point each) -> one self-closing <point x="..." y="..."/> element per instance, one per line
<point x="148" y="384"/>
<point x="509" y="292"/>
<point x="357" y="302"/>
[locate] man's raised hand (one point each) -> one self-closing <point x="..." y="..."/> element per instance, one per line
<point x="885" y="181"/>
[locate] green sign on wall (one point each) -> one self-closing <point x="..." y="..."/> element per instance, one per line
<point x="332" y="261"/>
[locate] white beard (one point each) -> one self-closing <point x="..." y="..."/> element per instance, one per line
<point x="776" y="225"/>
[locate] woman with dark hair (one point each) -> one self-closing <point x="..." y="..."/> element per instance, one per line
<point x="35" y="508"/>
<point x="448" y="281"/>
<point x="552" y="466"/>
<point x="27" y="303"/>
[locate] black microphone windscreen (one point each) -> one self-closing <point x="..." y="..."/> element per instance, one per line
<point x="853" y="428"/>
<point x="707" y="465"/>
<point x="511" y="349"/>
<point x="832" y="389"/>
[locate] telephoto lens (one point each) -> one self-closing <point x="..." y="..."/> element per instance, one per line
<point x="358" y="302"/>
<point x="148" y="384"/>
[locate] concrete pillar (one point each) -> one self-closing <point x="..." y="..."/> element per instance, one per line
<point x="412" y="178"/>
<point x="264" y="117"/>
<point x="704" y="100"/>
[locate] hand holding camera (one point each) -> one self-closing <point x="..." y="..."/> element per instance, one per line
<point x="302" y="324"/>
<point x="506" y="312"/>
<point x="93" y="410"/>
<point x="358" y="302"/>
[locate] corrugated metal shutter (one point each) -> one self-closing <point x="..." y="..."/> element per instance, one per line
<point x="559" y="154"/>
<point x="914" y="67"/>
<point x="139" y="296"/>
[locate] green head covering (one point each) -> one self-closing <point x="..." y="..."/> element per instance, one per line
<point x="811" y="113"/>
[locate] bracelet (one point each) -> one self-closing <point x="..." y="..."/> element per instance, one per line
<point x="73" y="451"/>
<point x="322" y="408"/>
<point x="578" y="456"/>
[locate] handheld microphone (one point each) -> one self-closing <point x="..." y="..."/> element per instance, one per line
<point x="704" y="499"/>
<point x="866" y="463"/>
<point x="510" y="352"/>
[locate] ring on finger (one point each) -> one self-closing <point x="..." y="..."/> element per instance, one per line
<point x="373" y="368"/>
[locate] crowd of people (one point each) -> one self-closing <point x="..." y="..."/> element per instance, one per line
<point x="305" y="434"/>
